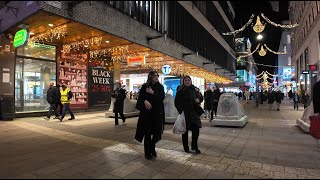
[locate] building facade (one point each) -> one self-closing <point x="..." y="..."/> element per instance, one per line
<point x="89" y="45"/>
<point x="285" y="71"/>
<point x="305" y="42"/>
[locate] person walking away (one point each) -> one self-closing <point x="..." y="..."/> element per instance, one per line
<point x="240" y="95"/>
<point x="296" y="100"/>
<point x="120" y="95"/>
<point x="247" y="94"/>
<point x="316" y="98"/>
<point x="58" y="102"/>
<point x="186" y="100"/>
<point x="131" y="94"/>
<point x="66" y="96"/>
<point x="151" y="120"/>
<point x="278" y="99"/>
<point x="51" y="99"/>
<point x="216" y="97"/>
<point x="270" y="100"/>
<point x="306" y="101"/>
<point x="208" y="102"/>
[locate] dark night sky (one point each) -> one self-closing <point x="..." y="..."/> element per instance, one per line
<point x="271" y="34"/>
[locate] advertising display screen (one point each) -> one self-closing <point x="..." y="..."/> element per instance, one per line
<point x="171" y="83"/>
<point x="286" y="73"/>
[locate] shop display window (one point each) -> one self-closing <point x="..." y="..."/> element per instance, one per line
<point x="73" y="71"/>
<point x="32" y="79"/>
<point x="39" y="51"/>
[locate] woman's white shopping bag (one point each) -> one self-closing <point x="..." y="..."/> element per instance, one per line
<point x="179" y="126"/>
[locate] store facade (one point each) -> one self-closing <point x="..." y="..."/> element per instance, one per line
<point x="88" y="60"/>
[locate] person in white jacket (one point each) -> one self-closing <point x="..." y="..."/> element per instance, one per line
<point x="247" y="95"/>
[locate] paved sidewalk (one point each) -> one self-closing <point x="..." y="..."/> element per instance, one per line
<point x="269" y="146"/>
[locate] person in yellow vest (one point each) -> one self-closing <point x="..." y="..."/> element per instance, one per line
<point x="66" y="96"/>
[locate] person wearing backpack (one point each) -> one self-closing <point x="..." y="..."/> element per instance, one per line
<point x="66" y="96"/>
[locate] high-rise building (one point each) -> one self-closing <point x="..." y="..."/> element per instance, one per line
<point x="305" y="42"/>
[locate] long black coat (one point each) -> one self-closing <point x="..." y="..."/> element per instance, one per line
<point x="208" y="100"/>
<point x="270" y="97"/>
<point x="120" y="95"/>
<point x="316" y="97"/>
<point x="152" y="120"/>
<point x="184" y="101"/>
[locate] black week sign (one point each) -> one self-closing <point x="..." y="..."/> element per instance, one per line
<point x="100" y="86"/>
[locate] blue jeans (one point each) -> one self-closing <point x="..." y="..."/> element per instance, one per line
<point x="66" y="107"/>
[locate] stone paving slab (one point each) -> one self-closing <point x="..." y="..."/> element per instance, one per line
<point x="269" y="146"/>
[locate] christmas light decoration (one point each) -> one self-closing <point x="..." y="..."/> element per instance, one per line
<point x="279" y="25"/>
<point x="242" y="28"/>
<point x="258" y="27"/>
<point x="247" y="55"/>
<point x="114" y="51"/>
<point x="82" y="44"/>
<point x="274" y="51"/>
<point x="56" y="33"/>
<point x="262" y="52"/>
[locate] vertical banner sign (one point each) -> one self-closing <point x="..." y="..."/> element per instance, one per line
<point x="100" y="82"/>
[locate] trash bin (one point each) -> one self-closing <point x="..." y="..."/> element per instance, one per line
<point x="7" y="107"/>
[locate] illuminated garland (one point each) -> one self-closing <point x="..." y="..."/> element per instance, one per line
<point x="82" y="44"/>
<point x="260" y="64"/>
<point x="259" y="27"/>
<point x="242" y="56"/>
<point x="279" y="25"/>
<point x="115" y="51"/>
<point x="56" y="33"/>
<point x="284" y="53"/>
<point x="242" y="28"/>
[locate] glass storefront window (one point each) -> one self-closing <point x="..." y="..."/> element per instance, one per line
<point x="40" y="51"/>
<point x="31" y="84"/>
<point x="35" y="69"/>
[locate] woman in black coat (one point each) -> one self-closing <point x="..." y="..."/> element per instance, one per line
<point x="151" y="119"/>
<point x="216" y="97"/>
<point x="186" y="101"/>
<point x="208" y="100"/>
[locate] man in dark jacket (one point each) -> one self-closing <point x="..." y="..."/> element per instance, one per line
<point x="120" y="95"/>
<point x="52" y="100"/>
<point x="58" y="101"/>
<point x="316" y="98"/>
<point x="296" y="100"/>
<point x="208" y="102"/>
<point x="278" y="99"/>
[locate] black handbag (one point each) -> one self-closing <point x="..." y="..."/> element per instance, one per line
<point x="198" y="109"/>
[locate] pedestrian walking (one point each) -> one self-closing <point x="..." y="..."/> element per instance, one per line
<point x="278" y="99"/>
<point x="208" y="102"/>
<point x="58" y="102"/>
<point x="306" y="100"/>
<point x="120" y="95"/>
<point x="52" y="100"/>
<point x="247" y="95"/>
<point x="270" y="100"/>
<point x="66" y="96"/>
<point x="186" y="101"/>
<point x="296" y="100"/>
<point x="152" y="118"/>
<point x="216" y="97"/>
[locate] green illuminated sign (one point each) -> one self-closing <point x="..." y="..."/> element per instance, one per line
<point x="20" y="38"/>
